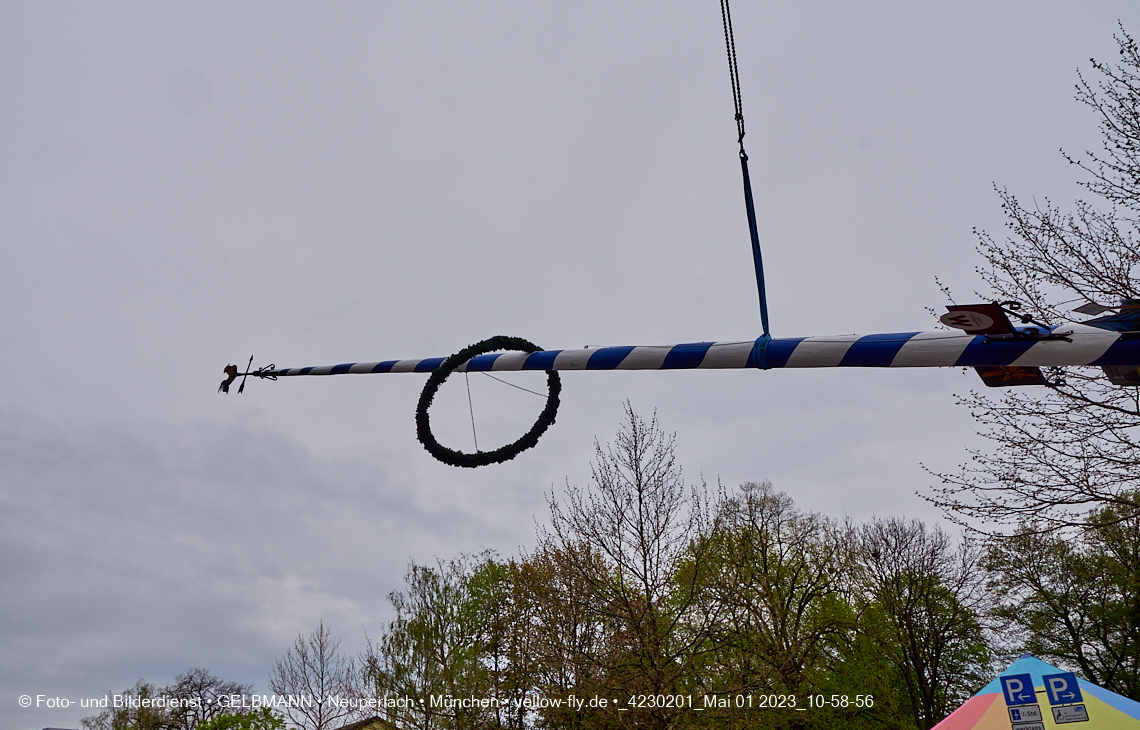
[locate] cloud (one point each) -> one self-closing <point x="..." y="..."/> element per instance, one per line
<point x="135" y="550"/>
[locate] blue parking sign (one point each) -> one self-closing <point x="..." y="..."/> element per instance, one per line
<point x="1018" y="689"/>
<point x="1062" y="688"/>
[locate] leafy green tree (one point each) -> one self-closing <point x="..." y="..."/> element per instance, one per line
<point x="778" y="584"/>
<point x="506" y="639"/>
<point x="189" y="703"/>
<point x="931" y="595"/>
<point x="791" y="619"/>
<point x="569" y="634"/>
<point x="263" y="719"/>
<point x="452" y="637"/>
<point x="860" y="666"/>
<point x="136" y="712"/>
<point x="1075" y="598"/>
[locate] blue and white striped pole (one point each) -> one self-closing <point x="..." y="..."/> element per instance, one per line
<point x="1002" y="354"/>
<point x="1073" y="344"/>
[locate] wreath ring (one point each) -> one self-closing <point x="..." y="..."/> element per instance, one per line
<point x="505" y="453"/>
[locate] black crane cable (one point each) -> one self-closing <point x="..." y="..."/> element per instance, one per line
<point x="733" y="71"/>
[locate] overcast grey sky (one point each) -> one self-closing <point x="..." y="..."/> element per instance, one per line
<point x="182" y="185"/>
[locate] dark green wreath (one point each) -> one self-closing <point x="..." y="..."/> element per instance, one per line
<point x="482" y="458"/>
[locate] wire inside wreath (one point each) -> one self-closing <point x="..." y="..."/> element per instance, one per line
<point x="505" y="453"/>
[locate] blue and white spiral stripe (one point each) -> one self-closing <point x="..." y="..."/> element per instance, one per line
<point x="938" y="348"/>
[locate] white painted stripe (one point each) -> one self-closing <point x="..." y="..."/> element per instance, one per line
<point x="510" y="361"/>
<point x="649" y="357"/>
<point x="728" y="355"/>
<point x="935" y="348"/>
<point x="363" y="367"/>
<point x="322" y="370"/>
<point x="821" y="352"/>
<point x="1088" y="344"/>
<point x="405" y="366"/>
<point x="573" y="359"/>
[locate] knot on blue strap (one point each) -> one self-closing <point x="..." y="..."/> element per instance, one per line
<point x="760" y="351"/>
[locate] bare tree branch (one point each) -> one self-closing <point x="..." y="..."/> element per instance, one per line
<point x="1074" y="446"/>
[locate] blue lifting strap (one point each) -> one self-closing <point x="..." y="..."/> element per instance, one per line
<point x="760" y="350"/>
